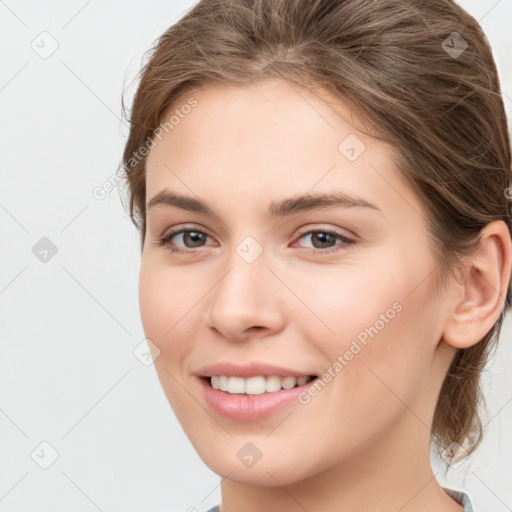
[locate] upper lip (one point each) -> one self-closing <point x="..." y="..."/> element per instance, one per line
<point x="246" y="370"/>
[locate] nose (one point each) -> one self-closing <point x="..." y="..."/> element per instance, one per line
<point x="246" y="300"/>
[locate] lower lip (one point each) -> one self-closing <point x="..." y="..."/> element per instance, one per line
<point x="250" y="407"/>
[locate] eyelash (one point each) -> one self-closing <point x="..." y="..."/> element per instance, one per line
<point x="347" y="242"/>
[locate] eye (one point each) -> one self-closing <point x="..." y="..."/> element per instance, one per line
<point x="190" y="238"/>
<point x="186" y="240"/>
<point x="325" y="239"/>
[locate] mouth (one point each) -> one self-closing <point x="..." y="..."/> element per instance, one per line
<point x="257" y="385"/>
<point x="247" y="399"/>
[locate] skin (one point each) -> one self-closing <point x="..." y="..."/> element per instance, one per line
<point x="363" y="442"/>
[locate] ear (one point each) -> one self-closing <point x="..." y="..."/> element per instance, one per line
<point x="484" y="288"/>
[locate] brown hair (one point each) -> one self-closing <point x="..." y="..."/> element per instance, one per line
<point x="402" y="65"/>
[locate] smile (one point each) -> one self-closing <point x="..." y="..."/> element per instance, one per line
<point x="247" y="399"/>
<point x="256" y="385"/>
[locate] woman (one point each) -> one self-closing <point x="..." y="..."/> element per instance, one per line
<point x="322" y="191"/>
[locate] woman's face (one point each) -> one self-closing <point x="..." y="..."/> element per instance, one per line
<point x="268" y="273"/>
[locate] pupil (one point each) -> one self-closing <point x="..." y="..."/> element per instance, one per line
<point x="323" y="237"/>
<point x="195" y="237"/>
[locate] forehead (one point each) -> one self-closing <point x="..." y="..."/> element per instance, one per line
<point x="271" y="114"/>
<point x="261" y="138"/>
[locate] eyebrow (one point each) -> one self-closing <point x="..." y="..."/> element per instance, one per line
<point x="279" y="208"/>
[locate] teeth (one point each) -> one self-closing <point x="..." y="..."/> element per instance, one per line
<point x="252" y="386"/>
<point x="302" y="380"/>
<point x="289" y="382"/>
<point x="223" y="383"/>
<point x="236" y="385"/>
<point x="255" y="385"/>
<point x="273" y="383"/>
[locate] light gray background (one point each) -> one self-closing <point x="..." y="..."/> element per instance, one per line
<point x="69" y="326"/>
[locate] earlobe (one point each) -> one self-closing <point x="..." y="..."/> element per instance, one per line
<point x="484" y="288"/>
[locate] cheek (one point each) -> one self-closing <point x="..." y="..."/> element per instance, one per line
<point x="379" y="338"/>
<point x="165" y="312"/>
<point x="156" y="302"/>
<point x="169" y="303"/>
<point x="350" y="302"/>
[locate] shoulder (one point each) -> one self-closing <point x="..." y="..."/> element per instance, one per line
<point x="459" y="496"/>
